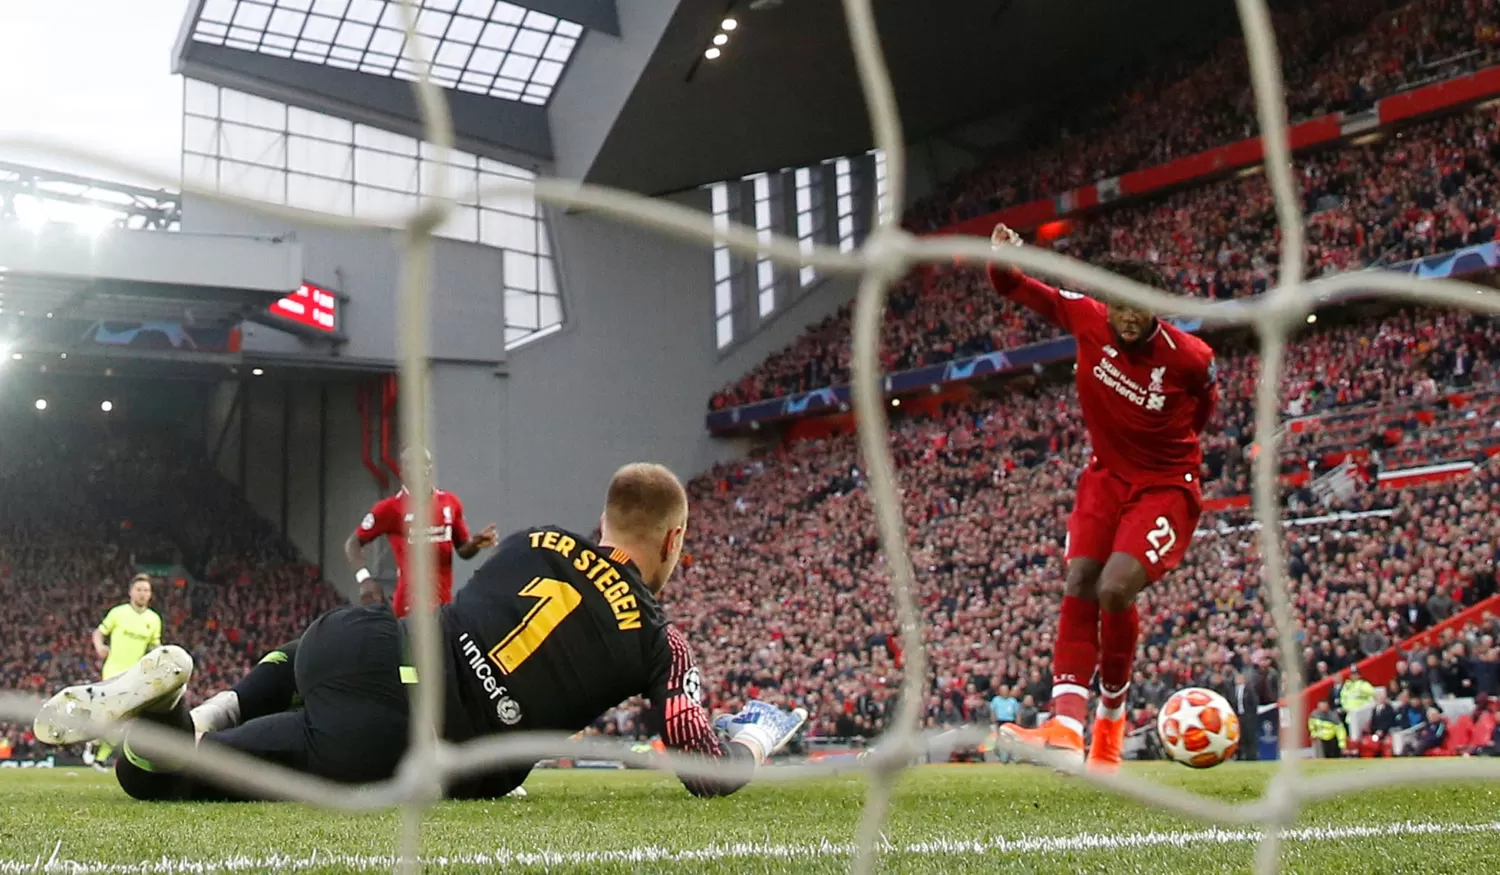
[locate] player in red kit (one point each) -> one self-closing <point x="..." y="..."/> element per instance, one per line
<point x="1146" y="389"/>
<point x="391" y="519"/>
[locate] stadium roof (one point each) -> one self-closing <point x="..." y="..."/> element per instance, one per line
<point x="486" y="47"/>
<point x="500" y="60"/>
<point x="625" y="97"/>
<point x="76" y="248"/>
<point x="785" y="92"/>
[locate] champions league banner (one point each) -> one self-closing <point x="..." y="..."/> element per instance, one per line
<point x="835" y="399"/>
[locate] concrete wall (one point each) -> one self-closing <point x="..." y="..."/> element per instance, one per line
<point x="629" y="377"/>
<point x="467" y="399"/>
<point x="469" y="443"/>
<point x="293" y="447"/>
<point x="599" y="80"/>
<point x="222" y="431"/>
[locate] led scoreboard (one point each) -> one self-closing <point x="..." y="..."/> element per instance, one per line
<point x="312" y="309"/>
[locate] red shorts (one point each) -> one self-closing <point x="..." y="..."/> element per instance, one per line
<point x="1153" y="522"/>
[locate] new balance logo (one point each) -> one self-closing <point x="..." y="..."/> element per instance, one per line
<point x="1110" y="351"/>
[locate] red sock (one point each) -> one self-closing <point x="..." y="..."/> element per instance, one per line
<point x="1118" y="631"/>
<point x="1074" y="658"/>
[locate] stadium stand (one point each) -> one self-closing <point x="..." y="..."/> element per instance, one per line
<point x="786" y="587"/>
<point x="1337" y="56"/>
<point x="1389" y="393"/>
<point x="785" y="590"/>
<point x="1430" y="188"/>
<point x="103" y="503"/>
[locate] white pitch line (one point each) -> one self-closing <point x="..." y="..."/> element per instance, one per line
<point x="1029" y="846"/>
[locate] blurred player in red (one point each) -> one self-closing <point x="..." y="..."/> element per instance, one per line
<point x="1146" y="389"/>
<point x="390" y="518"/>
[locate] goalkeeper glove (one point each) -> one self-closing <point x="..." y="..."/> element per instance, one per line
<point x="762" y="727"/>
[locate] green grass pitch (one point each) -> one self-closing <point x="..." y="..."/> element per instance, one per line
<point x="946" y="819"/>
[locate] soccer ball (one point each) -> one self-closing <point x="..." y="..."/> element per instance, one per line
<point x="1198" y="728"/>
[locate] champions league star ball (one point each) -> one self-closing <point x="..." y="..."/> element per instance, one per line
<point x="1198" y="728"/>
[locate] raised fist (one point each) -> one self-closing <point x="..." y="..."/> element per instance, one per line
<point x="1004" y="236"/>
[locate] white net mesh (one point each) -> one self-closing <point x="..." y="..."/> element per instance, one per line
<point x="431" y="763"/>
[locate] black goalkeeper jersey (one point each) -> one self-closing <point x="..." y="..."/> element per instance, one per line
<point x="554" y="630"/>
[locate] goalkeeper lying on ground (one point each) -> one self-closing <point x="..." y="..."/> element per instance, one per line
<point x="548" y="634"/>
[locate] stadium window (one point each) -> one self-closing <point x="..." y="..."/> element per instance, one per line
<point x="462" y="223"/>
<point x="719" y="195"/>
<point x="319" y="157"/>
<point x="200" y="99"/>
<point x="844" y="188"/>
<point x="722" y="261"/>
<point x="765" y="269"/>
<point x="723" y="299"/>
<point x="252" y="181"/>
<point x="723" y="270"/>
<point x="200" y="135"/>
<point x="322" y="195"/>
<point x="805" y="226"/>
<point x="248" y="109"/>
<point x="520" y="272"/>
<point x="246" y="145"/>
<point x="319" y="126"/>
<point x="880" y="185"/>
<point x="252" y="145"/>
<point x="488" y="47"/>
<point x="723" y="285"/>
<point x="370" y="201"/>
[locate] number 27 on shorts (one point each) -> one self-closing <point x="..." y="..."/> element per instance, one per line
<point x="1161" y="539"/>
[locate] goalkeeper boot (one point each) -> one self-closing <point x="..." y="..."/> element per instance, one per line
<point x="1051" y="735"/>
<point x="156" y="683"/>
<point x="763" y="727"/>
<point x="1106" y="749"/>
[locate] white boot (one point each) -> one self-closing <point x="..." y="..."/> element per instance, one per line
<point x="156" y="683"/>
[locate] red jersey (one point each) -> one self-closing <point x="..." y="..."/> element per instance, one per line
<point x="1144" y="407"/>
<point x="390" y="518"/>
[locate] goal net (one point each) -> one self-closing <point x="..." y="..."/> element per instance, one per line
<point x="887" y="255"/>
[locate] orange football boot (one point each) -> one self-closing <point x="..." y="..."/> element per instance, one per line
<point x="1107" y="747"/>
<point x="1051" y="735"/>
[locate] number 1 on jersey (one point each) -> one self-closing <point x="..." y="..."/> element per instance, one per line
<point x="558" y="599"/>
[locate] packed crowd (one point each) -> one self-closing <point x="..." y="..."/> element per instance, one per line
<point x="787" y="595"/>
<point x="1337" y="55"/>
<point x="1440" y="700"/>
<point x="102" y="503"/>
<point x="1379" y="386"/>
<point x="1432" y="188"/>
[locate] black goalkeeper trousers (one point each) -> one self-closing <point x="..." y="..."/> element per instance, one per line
<point x="352" y="726"/>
